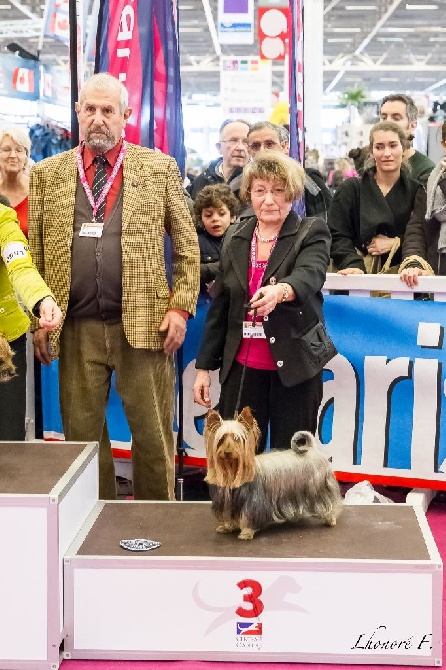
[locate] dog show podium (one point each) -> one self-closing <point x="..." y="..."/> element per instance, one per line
<point x="366" y="591"/>
<point x="46" y="492"/>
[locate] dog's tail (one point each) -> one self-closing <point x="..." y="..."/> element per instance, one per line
<point x="302" y="441"/>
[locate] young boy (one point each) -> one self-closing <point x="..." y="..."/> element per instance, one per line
<point x="215" y="209"/>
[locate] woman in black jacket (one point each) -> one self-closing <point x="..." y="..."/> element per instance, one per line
<point x="369" y="214"/>
<point x="265" y="323"/>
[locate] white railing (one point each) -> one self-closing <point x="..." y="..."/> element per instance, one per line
<point x="363" y="285"/>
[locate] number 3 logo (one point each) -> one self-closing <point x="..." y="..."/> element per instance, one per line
<point x="252" y="597"/>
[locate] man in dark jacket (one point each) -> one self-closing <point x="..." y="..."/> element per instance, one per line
<point x="402" y="110"/>
<point x="233" y="148"/>
<point x="267" y="136"/>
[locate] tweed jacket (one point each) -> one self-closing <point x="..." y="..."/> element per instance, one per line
<point x="17" y="275"/>
<point x="305" y="271"/>
<point x="153" y="202"/>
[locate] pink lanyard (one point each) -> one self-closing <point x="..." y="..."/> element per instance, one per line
<point x="80" y="168"/>
<point x="257" y="264"/>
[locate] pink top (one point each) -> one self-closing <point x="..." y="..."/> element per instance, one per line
<point x="259" y="354"/>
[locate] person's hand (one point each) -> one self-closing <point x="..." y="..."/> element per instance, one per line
<point x="350" y="271"/>
<point x="410" y="276"/>
<point x="201" y="388"/>
<point x="40" y="342"/>
<point x="50" y="314"/>
<point x="380" y="245"/>
<point x="175" y="326"/>
<point x="265" y="299"/>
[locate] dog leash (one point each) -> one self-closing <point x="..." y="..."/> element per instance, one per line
<point x="245" y="364"/>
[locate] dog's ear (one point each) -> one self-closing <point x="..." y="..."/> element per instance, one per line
<point x="246" y="416"/>
<point x="213" y="419"/>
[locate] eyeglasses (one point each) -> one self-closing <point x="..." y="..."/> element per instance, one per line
<point x="8" y="150"/>
<point x="233" y="141"/>
<point x="276" y="192"/>
<point x="268" y="144"/>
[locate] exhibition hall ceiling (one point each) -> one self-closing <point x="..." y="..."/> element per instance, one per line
<point x="379" y="45"/>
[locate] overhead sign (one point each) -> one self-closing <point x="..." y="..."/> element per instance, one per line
<point x="236" y="21"/>
<point x="274" y="32"/>
<point x="245" y="87"/>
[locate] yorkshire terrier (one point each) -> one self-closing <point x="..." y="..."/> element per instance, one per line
<point x="7" y="367"/>
<point x="251" y="492"/>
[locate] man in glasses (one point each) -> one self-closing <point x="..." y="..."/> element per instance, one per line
<point x="233" y="148"/>
<point x="267" y="136"/>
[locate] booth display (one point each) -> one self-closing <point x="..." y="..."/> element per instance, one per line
<point x="368" y="590"/>
<point x="46" y="493"/>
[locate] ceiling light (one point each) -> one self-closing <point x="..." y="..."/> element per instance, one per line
<point x="434" y="86"/>
<point x="398" y="30"/>
<point x="390" y="39"/>
<point x="421" y="6"/>
<point x="359" y="7"/>
<point x="437" y="39"/>
<point x="184" y="7"/>
<point x="340" y="39"/>
<point x="187" y="29"/>
<point x="345" y="30"/>
<point x="388" y="79"/>
<point x="5" y="6"/>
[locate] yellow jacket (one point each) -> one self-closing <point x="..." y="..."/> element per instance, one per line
<point x="18" y="275"/>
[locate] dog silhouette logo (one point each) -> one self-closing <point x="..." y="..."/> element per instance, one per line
<point x="249" y="627"/>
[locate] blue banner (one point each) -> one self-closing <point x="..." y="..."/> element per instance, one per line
<point x="383" y="407"/>
<point x="383" y="414"/>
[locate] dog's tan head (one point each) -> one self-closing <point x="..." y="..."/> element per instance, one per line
<point x="7" y="367"/>
<point x="230" y="448"/>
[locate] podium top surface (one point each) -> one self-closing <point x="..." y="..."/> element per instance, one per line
<point x="377" y="532"/>
<point x="32" y="468"/>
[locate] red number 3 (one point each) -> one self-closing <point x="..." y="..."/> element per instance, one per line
<point x="252" y="597"/>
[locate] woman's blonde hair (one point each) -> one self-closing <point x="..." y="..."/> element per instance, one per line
<point x="274" y="166"/>
<point x="18" y="136"/>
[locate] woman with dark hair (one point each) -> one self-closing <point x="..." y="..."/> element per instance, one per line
<point x="424" y="248"/>
<point x="369" y="214"/>
<point x="265" y="327"/>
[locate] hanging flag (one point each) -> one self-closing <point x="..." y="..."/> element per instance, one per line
<point x="138" y="44"/>
<point x="19" y="78"/>
<point x="296" y="91"/>
<point x="296" y="81"/>
<point x="57" y="22"/>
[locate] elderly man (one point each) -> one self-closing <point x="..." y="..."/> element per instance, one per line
<point x="402" y="110"/>
<point x="233" y="148"/>
<point x="97" y="219"/>
<point x="267" y="136"/>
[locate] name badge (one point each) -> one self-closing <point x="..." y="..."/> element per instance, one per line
<point x="91" y="229"/>
<point x="255" y="331"/>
